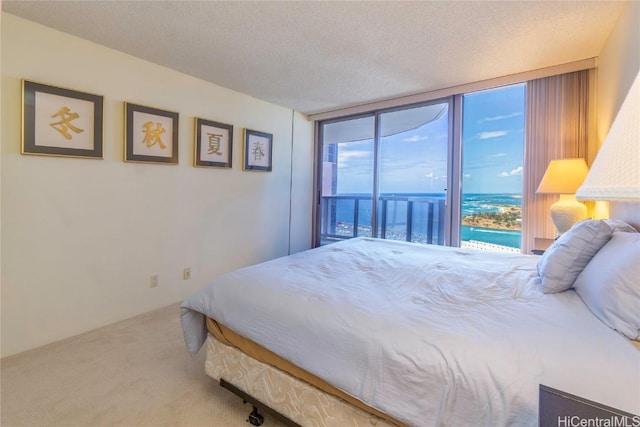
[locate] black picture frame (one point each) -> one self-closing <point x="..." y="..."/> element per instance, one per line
<point x="147" y="137"/>
<point x="258" y="150"/>
<point x="213" y="145"/>
<point x="61" y="122"/>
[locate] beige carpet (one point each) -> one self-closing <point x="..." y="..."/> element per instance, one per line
<point x="134" y="373"/>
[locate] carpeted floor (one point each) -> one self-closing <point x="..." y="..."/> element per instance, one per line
<point x="134" y="373"/>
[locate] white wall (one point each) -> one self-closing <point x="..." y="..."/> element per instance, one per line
<point x="81" y="237"/>
<point x="302" y="189"/>
<point x="618" y="64"/>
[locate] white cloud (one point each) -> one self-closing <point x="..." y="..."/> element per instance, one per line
<point x="345" y="155"/>
<point x="514" y="172"/>
<point x="493" y="156"/>
<point x="415" y="138"/>
<point x="502" y="117"/>
<point x="494" y="134"/>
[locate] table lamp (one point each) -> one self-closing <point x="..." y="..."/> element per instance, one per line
<point x="564" y="177"/>
<point x="615" y="173"/>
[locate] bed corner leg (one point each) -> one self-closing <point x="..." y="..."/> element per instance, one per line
<point x="255" y="418"/>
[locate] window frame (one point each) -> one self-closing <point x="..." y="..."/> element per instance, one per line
<point x="453" y="147"/>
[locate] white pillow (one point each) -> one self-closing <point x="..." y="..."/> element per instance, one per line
<point x="618" y="225"/>
<point x="561" y="263"/>
<point x="610" y="284"/>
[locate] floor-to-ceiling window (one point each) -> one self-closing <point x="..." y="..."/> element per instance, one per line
<point x="347" y="169"/>
<point x="385" y="174"/>
<point x="407" y="174"/>
<point x="492" y="166"/>
<point x="412" y="173"/>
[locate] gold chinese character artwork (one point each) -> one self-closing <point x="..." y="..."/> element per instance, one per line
<point x="151" y="135"/>
<point x="61" y="122"/>
<point x="258" y="148"/>
<point x="213" y="144"/>
<point x="64" y="125"/>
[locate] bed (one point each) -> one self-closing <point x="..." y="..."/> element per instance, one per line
<point x="376" y="332"/>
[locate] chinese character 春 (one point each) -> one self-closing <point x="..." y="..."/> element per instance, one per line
<point x="64" y="125"/>
<point x="214" y="144"/>
<point x="258" y="154"/>
<point x="152" y="136"/>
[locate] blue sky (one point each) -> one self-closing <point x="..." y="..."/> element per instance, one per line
<point x="415" y="161"/>
<point x="492" y="138"/>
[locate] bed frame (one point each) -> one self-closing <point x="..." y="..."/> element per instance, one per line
<point x="255" y="418"/>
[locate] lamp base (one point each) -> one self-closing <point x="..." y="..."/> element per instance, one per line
<point x="566" y="212"/>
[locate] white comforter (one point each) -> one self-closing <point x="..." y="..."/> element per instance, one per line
<point x="430" y="335"/>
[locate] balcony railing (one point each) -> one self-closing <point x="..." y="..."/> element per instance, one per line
<point x="419" y="219"/>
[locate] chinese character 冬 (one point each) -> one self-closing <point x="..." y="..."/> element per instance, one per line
<point x="64" y="125"/>
<point x="152" y="136"/>
<point x="214" y="143"/>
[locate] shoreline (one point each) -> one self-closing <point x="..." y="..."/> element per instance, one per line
<point x="508" y="219"/>
<point x="346" y="230"/>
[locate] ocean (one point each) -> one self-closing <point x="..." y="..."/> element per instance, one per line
<point x="471" y="204"/>
<point x="490" y="203"/>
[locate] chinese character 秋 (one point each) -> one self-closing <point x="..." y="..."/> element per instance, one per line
<point x="152" y="136"/>
<point x="214" y="143"/>
<point x="258" y="154"/>
<point x="64" y="125"/>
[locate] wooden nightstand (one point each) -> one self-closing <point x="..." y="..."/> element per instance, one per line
<point x="558" y="408"/>
<point x="540" y="245"/>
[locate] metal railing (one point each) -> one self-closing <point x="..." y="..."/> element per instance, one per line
<point x="422" y="220"/>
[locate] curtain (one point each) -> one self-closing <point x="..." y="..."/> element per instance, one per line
<point x="557" y="126"/>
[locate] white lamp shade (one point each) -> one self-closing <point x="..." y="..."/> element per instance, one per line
<point x="615" y="173"/>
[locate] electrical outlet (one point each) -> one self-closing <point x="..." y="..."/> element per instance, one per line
<point x="186" y="274"/>
<point x="154" y="281"/>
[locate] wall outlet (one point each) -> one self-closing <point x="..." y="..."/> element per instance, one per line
<point x="186" y="274"/>
<point x="153" y="282"/>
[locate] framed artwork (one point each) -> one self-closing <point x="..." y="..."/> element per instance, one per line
<point x="214" y="144"/>
<point x="150" y="135"/>
<point x="258" y="147"/>
<point x="60" y="122"/>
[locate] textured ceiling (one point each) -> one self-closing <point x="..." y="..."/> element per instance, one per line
<point x="322" y="55"/>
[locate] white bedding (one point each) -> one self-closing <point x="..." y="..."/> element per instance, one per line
<point x="430" y="335"/>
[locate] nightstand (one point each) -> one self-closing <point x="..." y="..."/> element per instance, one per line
<point x="540" y="245"/>
<point x="558" y="408"/>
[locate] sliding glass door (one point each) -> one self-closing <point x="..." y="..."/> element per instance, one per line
<point x="346" y="200"/>
<point x="413" y="173"/>
<point x="385" y="175"/>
